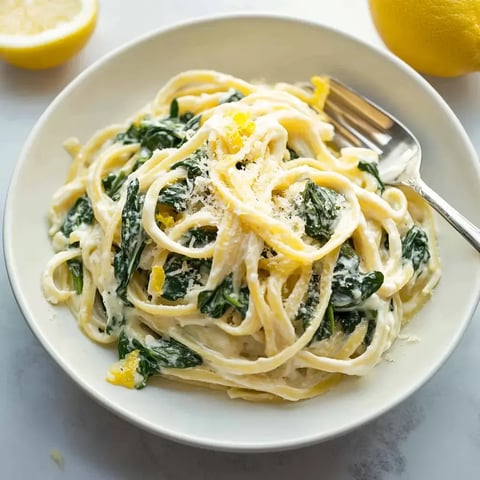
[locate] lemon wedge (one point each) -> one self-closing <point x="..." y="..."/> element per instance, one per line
<point x="38" y="34"/>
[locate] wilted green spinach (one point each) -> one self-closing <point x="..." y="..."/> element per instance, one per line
<point x="372" y="169"/>
<point x="319" y="209"/>
<point x="181" y="272"/>
<point x="163" y="352"/>
<point x="415" y="247"/>
<point x="75" y="266"/>
<point x="232" y="96"/>
<point x="170" y="132"/>
<point x="215" y="303"/>
<point x="80" y="213"/>
<point x="132" y="239"/>
<point x="350" y="287"/>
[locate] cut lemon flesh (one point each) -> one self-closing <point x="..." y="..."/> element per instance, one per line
<point x="40" y="34"/>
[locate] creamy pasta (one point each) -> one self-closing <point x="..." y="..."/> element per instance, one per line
<point x="220" y="238"/>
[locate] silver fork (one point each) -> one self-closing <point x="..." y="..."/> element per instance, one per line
<point x="359" y="122"/>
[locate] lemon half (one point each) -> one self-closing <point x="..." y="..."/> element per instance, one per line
<point x="38" y="34"/>
<point x="438" y="37"/>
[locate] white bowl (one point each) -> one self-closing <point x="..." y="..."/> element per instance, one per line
<point x="251" y="47"/>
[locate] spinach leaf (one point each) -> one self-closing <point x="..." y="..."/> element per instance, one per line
<point x="415" y="247"/>
<point x="241" y="165"/>
<point x="114" y="324"/>
<point x="142" y="158"/>
<point x="293" y="153"/>
<point x="308" y="306"/>
<point x="347" y="320"/>
<point x="164" y="133"/>
<point x="174" y="108"/>
<point x="195" y="164"/>
<point x="191" y="165"/>
<point x="199" y="237"/>
<point x="182" y="273"/>
<point x="175" y="195"/>
<point x="239" y="301"/>
<point x="112" y="184"/>
<point x="350" y="287"/>
<point x="319" y="210"/>
<point x="132" y="135"/>
<point x="162" y="352"/>
<point x="192" y="121"/>
<point x="124" y="345"/>
<point x="185" y="117"/>
<point x="307" y="309"/>
<point x="132" y="239"/>
<point x="372" y="169"/>
<point x="350" y="319"/>
<point x="372" y="325"/>
<point x="232" y="96"/>
<point x="326" y="327"/>
<point x="75" y="266"/>
<point x="81" y="212"/>
<point x="216" y="302"/>
<point x="268" y="252"/>
<point x="168" y="132"/>
<point x="386" y="242"/>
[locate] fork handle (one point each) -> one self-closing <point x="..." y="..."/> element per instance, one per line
<point x="463" y="226"/>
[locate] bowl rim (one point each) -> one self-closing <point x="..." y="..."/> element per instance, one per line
<point x="117" y="409"/>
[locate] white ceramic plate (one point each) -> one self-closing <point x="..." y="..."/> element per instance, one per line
<point x="251" y="47"/>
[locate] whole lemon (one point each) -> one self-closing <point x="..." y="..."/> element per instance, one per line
<point x="437" y="37"/>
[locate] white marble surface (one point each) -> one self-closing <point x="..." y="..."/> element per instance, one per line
<point x="434" y="434"/>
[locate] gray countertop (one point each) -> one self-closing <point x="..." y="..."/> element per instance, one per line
<point x="434" y="434"/>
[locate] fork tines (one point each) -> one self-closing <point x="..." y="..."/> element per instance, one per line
<point x="357" y="122"/>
